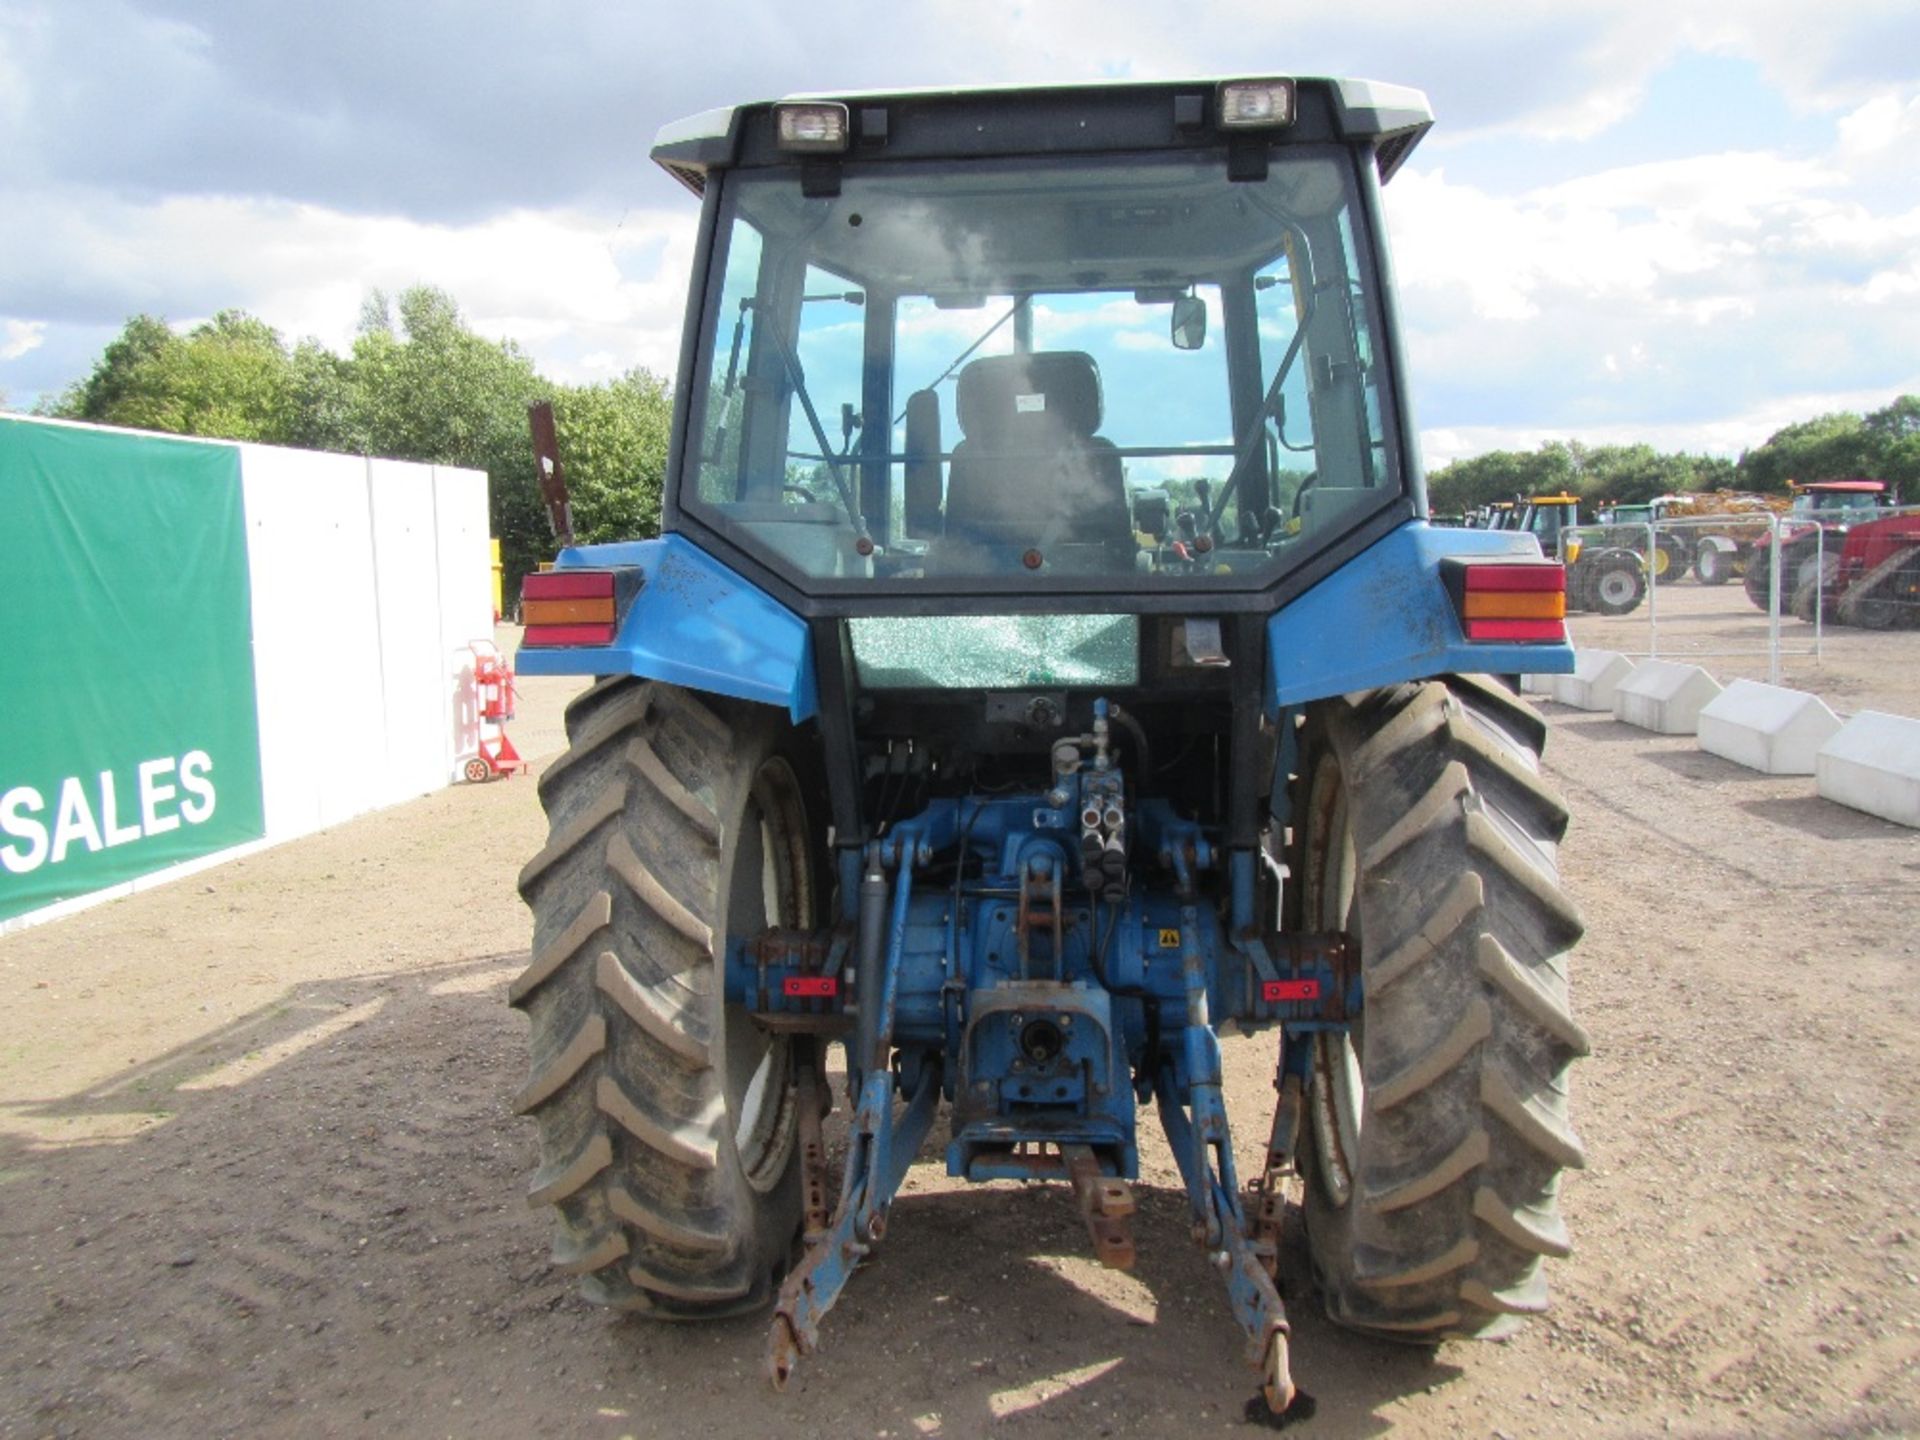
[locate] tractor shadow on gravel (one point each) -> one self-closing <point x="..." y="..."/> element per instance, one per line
<point x="1823" y="819"/>
<point x="254" y="1044"/>
<point x="1699" y="766"/>
<point x="1589" y="725"/>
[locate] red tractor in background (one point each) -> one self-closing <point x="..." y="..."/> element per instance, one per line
<point x="1878" y="583"/>
<point x="1812" y="537"/>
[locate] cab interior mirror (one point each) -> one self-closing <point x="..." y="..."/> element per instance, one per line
<point x="1189" y="322"/>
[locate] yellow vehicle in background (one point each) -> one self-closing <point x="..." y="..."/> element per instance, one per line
<point x="1605" y="578"/>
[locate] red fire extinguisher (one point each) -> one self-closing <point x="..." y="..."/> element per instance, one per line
<point x="493" y="696"/>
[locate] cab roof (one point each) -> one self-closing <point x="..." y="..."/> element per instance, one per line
<point x="963" y="122"/>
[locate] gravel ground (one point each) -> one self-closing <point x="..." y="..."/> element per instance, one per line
<point x="1717" y="627"/>
<point x="258" y="1175"/>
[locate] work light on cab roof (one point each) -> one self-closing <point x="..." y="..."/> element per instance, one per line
<point x="813" y="128"/>
<point x="1046" y="670"/>
<point x="1255" y="104"/>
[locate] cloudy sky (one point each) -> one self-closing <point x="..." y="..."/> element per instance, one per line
<point x="1683" y="222"/>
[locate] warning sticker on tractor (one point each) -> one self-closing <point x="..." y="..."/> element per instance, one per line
<point x="1169" y="939"/>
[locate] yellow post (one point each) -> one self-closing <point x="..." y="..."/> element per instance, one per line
<point x="499" y="574"/>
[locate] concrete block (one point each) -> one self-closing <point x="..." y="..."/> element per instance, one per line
<point x="1873" y="764"/>
<point x="1596" y="675"/>
<point x="1767" y="728"/>
<point x="1531" y="684"/>
<point x="1664" y="696"/>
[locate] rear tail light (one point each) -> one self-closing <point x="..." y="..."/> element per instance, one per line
<point x="1514" y="602"/>
<point x="569" y="607"/>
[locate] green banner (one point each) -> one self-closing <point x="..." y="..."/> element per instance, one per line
<point x="128" y="734"/>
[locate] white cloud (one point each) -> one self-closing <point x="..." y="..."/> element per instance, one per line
<point x="18" y="337"/>
<point x="565" y="284"/>
<point x="1660" y="301"/>
<point x="1540" y="71"/>
<point x="1886" y="126"/>
<point x="387" y="147"/>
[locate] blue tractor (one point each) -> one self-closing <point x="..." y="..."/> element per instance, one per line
<point x="1047" y="670"/>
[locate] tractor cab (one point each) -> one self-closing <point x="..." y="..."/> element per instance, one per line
<point x="943" y="348"/>
<point x="1829" y="502"/>
<point x="1545" y="516"/>
<point x="1650" y="512"/>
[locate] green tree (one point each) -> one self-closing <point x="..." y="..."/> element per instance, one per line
<point x="613" y="443"/>
<point x="1896" y="428"/>
<point x="140" y="343"/>
<point x="1632" y="474"/>
<point x="418" y="384"/>
<point x="1618" y="474"/>
<point x="1898" y="421"/>
<point x="228" y="378"/>
<point x="1828" y="447"/>
<point x="430" y="389"/>
<point x="1501" y="475"/>
<point x="327" y="412"/>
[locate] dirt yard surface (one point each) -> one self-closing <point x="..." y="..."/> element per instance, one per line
<point x="258" y="1175"/>
<point x="1717" y="627"/>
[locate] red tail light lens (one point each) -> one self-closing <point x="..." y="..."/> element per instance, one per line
<point x="1515" y="602"/>
<point x="568" y="607"/>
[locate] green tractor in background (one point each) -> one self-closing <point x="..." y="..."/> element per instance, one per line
<point x="1666" y="554"/>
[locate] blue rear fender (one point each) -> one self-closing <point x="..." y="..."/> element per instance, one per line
<point x="1385" y="617"/>
<point x="1382" y="618"/>
<point x="694" y="623"/>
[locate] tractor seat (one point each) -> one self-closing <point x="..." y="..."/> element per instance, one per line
<point x="1030" y="470"/>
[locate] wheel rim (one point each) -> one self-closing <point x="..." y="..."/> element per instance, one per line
<point x="770" y="885"/>
<point x="1616" y="587"/>
<point x="1337" y="1098"/>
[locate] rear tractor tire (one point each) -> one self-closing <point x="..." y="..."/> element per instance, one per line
<point x="1617" y="586"/>
<point x="1758" y="581"/>
<point x="1712" y="565"/>
<point x="667" y="1119"/>
<point x="1437" y="1125"/>
<point x="1800" y="566"/>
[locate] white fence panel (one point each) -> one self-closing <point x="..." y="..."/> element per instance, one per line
<point x="316" y="636"/>
<point x="412" y="663"/>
